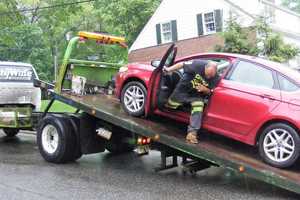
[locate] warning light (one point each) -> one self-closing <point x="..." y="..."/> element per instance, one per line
<point x="139" y="141"/>
<point x="144" y="141"/>
<point x="148" y="140"/>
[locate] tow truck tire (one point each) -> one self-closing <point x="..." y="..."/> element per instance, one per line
<point x="134" y="92"/>
<point x="56" y="139"/>
<point x="11" y="132"/>
<point x="279" y="145"/>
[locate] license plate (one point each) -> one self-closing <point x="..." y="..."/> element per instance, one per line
<point x="143" y="149"/>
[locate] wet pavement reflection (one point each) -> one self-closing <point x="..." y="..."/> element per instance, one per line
<point x="25" y="175"/>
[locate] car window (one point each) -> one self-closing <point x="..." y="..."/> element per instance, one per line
<point x="16" y="74"/>
<point x="287" y="85"/>
<point x="252" y="74"/>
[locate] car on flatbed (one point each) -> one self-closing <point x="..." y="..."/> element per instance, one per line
<point x="256" y="101"/>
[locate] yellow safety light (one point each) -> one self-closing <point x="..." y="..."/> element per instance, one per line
<point x="103" y="38"/>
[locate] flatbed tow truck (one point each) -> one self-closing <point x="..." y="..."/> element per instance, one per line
<point x="100" y="123"/>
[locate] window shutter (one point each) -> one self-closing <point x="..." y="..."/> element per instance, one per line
<point x="158" y="34"/>
<point x="219" y="20"/>
<point x="174" y="30"/>
<point x="200" y="24"/>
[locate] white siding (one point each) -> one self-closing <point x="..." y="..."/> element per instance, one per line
<point x="185" y="11"/>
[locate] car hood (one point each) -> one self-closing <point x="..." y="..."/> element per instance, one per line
<point x="140" y="66"/>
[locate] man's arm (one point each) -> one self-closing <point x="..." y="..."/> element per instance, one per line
<point x="173" y="67"/>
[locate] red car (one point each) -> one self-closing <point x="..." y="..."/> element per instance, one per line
<point x="256" y="101"/>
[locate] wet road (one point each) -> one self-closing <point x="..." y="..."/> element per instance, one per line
<point x="25" y="175"/>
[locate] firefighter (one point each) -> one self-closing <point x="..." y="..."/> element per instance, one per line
<point x="199" y="79"/>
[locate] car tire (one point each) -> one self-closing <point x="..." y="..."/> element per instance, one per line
<point x="133" y="98"/>
<point x="279" y="145"/>
<point x="11" y="132"/>
<point x="56" y="139"/>
<point x="120" y="142"/>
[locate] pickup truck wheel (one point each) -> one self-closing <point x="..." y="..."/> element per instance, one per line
<point x="11" y="132"/>
<point x="133" y="98"/>
<point x="56" y="140"/>
<point x="279" y="145"/>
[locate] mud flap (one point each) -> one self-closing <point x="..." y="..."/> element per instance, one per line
<point x="89" y="140"/>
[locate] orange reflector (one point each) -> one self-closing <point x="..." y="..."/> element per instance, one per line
<point x="156" y="137"/>
<point x="241" y="168"/>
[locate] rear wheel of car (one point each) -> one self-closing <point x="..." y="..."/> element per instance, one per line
<point x="133" y="98"/>
<point x="11" y="132"/>
<point x="279" y="145"/>
<point x="56" y="139"/>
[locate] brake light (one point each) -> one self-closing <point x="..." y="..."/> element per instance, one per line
<point x="143" y="141"/>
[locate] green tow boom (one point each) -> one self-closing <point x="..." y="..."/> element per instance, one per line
<point x="98" y="72"/>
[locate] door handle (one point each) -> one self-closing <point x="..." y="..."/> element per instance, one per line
<point x="267" y="96"/>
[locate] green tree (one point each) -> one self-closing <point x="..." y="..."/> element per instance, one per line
<point x="267" y="43"/>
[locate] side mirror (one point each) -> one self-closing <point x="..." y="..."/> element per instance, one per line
<point x="155" y="63"/>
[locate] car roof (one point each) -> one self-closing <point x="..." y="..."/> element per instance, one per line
<point x="17" y="64"/>
<point x="281" y="68"/>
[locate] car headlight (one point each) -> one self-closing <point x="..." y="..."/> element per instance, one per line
<point x="123" y="69"/>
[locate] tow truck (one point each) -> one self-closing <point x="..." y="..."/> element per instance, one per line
<point x="100" y="124"/>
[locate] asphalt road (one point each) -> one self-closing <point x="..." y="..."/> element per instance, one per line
<point x="25" y="175"/>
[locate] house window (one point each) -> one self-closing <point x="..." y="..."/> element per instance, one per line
<point x="209" y="23"/>
<point x="166" y="32"/>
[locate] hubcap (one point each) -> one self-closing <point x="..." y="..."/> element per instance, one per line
<point x="50" y="139"/>
<point x="279" y="145"/>
<point x="134" y="98"/>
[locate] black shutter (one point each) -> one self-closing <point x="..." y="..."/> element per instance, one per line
<point x="158" y="34"/>
<point x="219" y="20"/>
<point x="174" y="30"/>
<point x="200" y="24"/>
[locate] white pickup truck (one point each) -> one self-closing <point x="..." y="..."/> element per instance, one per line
<point x="18" y="96"/>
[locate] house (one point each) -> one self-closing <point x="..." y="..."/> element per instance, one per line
<point x="193" y="25"/>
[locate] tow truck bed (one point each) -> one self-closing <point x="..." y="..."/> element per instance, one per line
<point x="215" y="149"/>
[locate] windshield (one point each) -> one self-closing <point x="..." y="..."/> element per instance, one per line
<point x="16" y="74"/>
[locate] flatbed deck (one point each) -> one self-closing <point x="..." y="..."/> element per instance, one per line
<point x="216" y="149"/>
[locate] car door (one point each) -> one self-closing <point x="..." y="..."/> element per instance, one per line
<point x="154" y="81"/>
<point x="243" y="98"/>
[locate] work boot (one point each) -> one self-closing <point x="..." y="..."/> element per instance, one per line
<point x="191" y="137"/>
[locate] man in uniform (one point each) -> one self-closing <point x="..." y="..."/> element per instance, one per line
<point x="199" y="79"/>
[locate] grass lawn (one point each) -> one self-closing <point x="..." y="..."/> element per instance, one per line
<point x="57" y="107"/>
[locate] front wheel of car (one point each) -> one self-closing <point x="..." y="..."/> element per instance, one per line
<point x="133" y="98"/>
<point x="279" y="145"/>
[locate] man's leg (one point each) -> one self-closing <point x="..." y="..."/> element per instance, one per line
<point x="172" y="104"/>
<point x="195" y="121"/>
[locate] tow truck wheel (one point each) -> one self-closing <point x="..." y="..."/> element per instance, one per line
<point x="56" y="139"/>
<point x="11" y="132"/>
<point x="279" y="145"/>
<point x="133" y="98"/>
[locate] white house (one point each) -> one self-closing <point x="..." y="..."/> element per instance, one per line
<point x="193" y="25"/>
